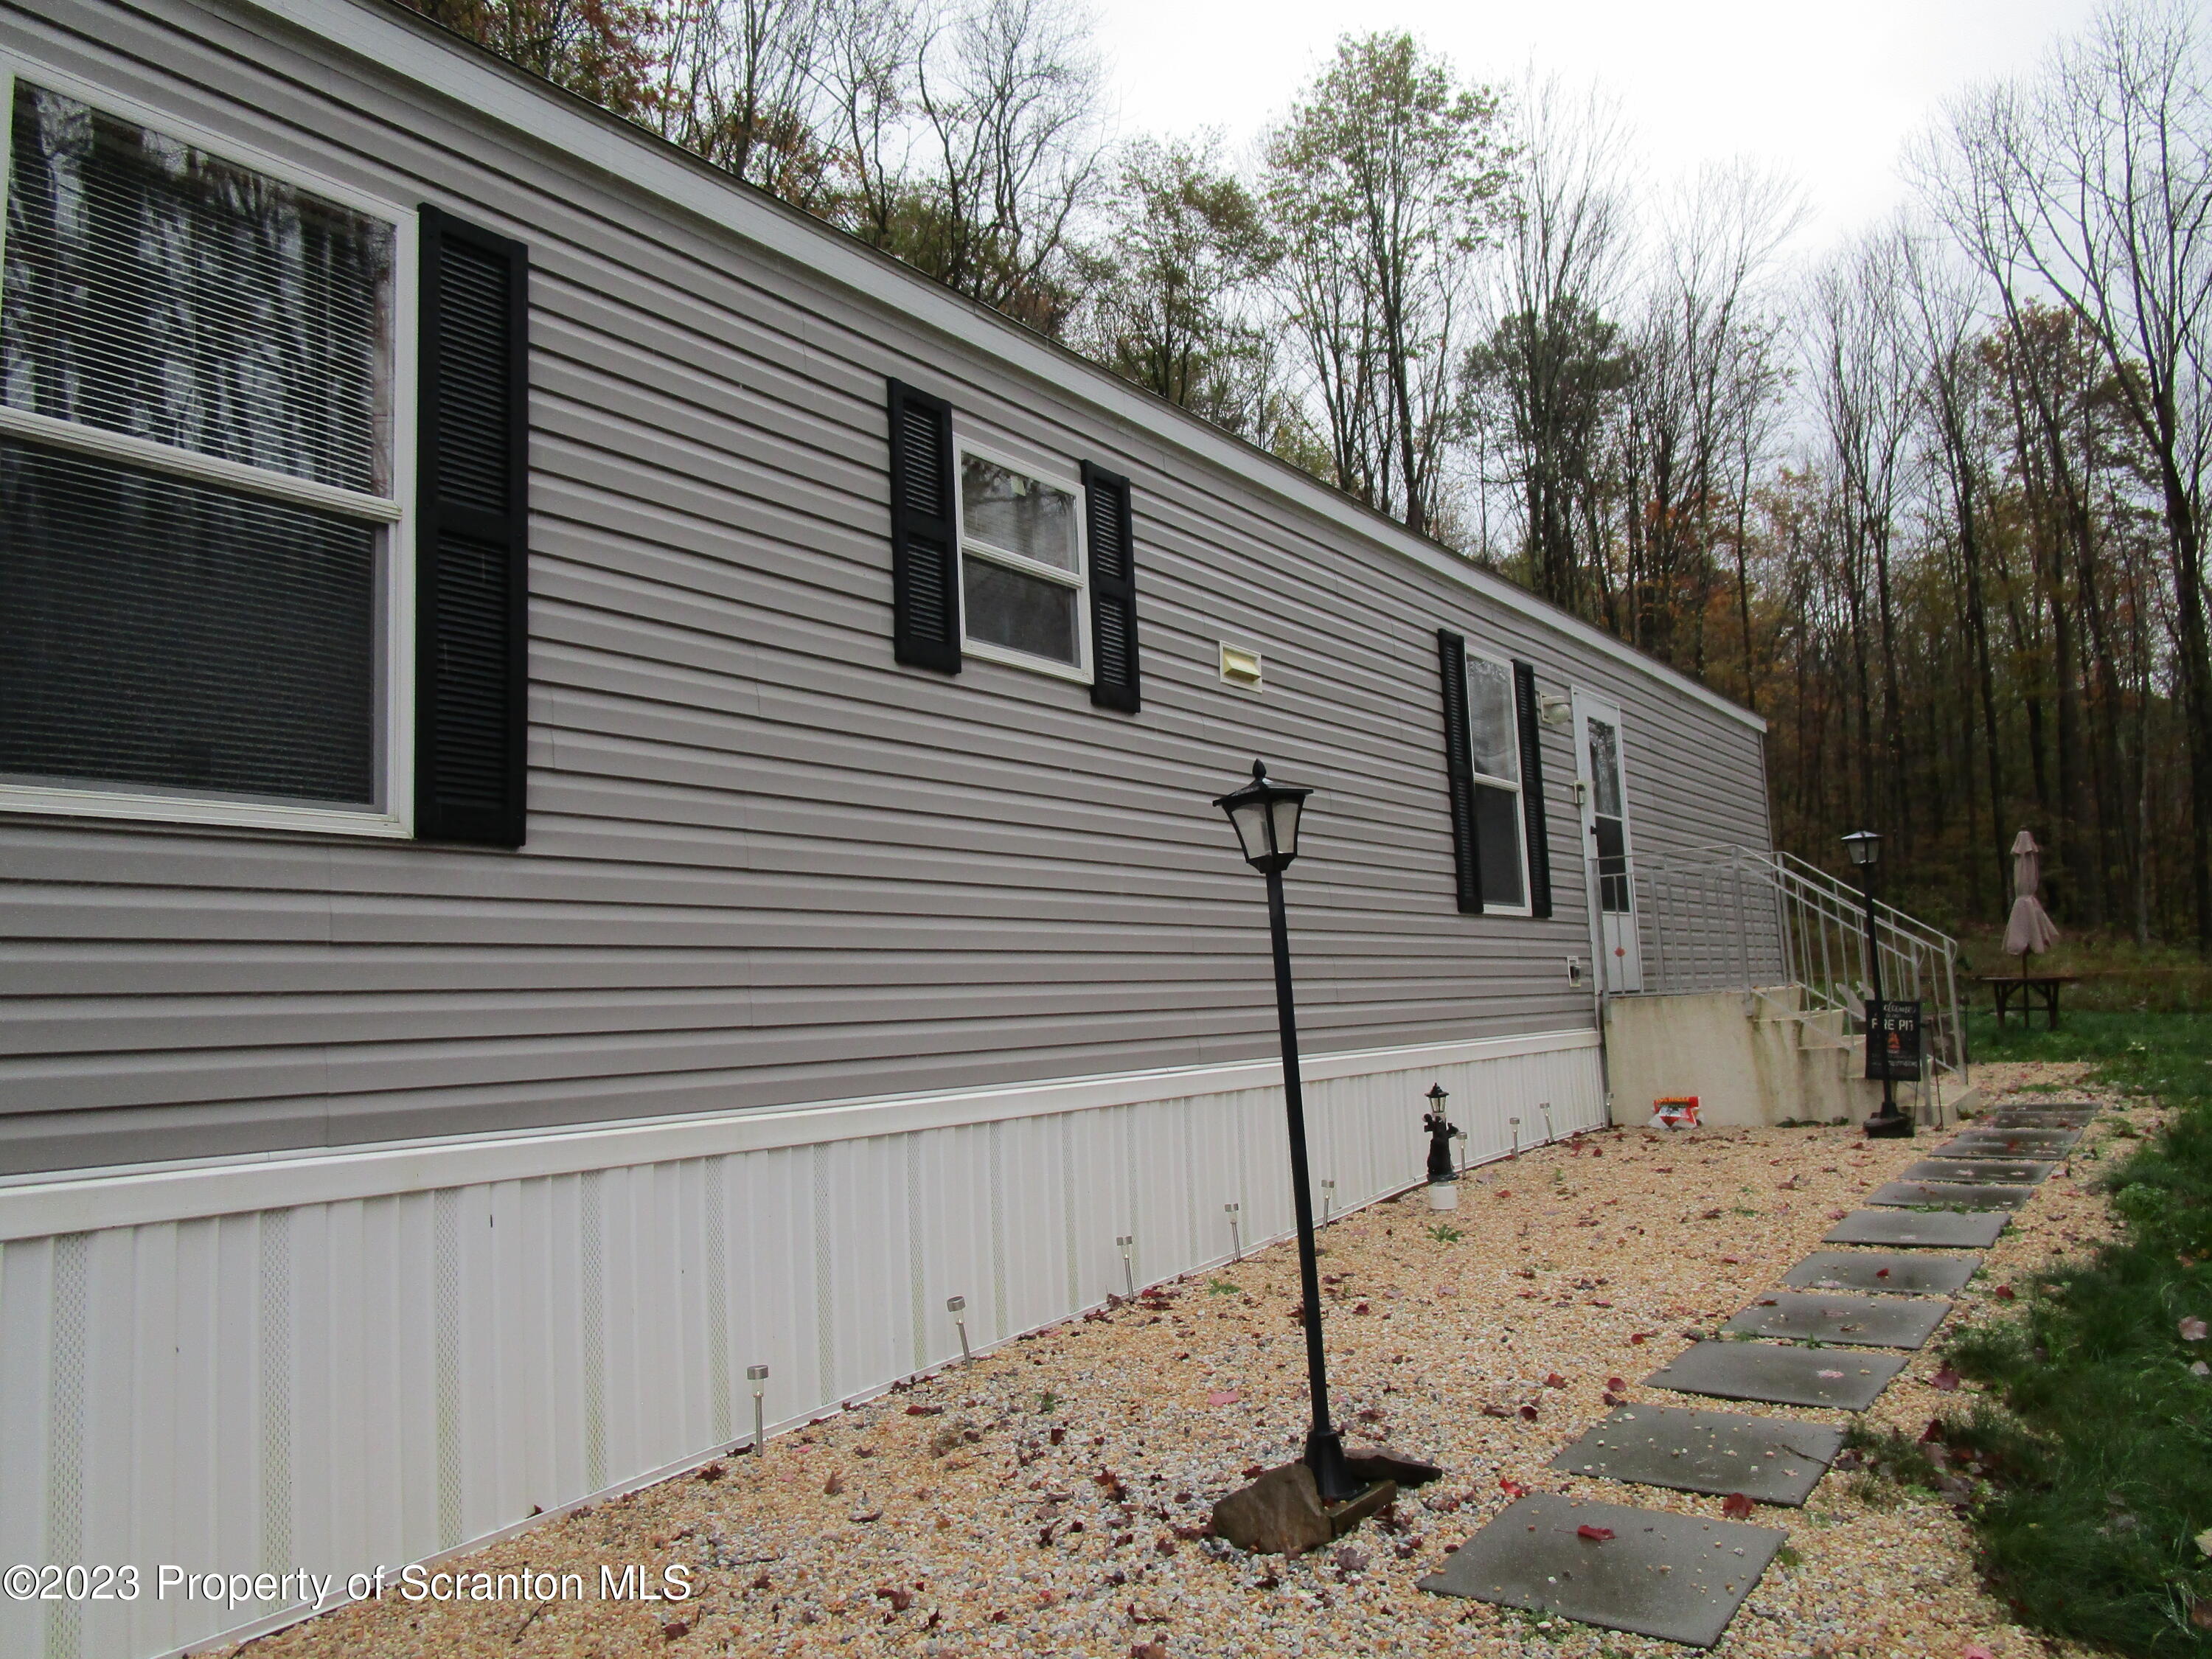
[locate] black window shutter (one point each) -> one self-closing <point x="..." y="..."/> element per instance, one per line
<point x="1459" y="771"/>
<point x="472" y="537"/>
<point x="924" y="537"/>
<point x="1532" y="791"/>
<point x="1113" y="591"/>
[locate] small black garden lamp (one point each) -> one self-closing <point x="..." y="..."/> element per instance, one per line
<point x="1266" y="816"/>
<point x="1888" y="1124"/>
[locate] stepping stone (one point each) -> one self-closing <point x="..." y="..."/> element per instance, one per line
<point x="1868" y="1270"/>
<point x="1943" y="1230"/>
<point x="1679" y="1577"/>
<point x="1779" y="1375"/>
<point x="2009" y="1143"/>
<point x="1776" y="1460"/>
<point x="2039" y="1117"/>
<point x="1856" y="1321"/>
<point x="1948" y="1195"/>
<point x="1979" y="1171"/>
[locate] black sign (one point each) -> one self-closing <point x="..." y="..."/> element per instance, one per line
<point x="1892" y="1040"/>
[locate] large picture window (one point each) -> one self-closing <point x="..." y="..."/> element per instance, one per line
<point x="1494" y="740"/>
<point x="1023" y="585"/>
<point x="201" y="526"/>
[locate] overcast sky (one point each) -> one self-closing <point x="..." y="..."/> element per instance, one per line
<point x="1828" y="93"/>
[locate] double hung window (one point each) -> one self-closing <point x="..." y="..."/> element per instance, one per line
<point x="1494" y="743"/>
<point x="1024" y="585"/>
<point x="202" y="457"/>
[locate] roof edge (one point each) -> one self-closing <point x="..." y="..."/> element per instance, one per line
<point x="401" y="42"/>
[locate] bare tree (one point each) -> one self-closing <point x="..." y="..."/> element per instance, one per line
<point x="1543" y="381"/>
<point x="2093" y="180"/>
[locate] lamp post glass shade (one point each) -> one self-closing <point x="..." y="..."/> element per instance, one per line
<point x="1864" y="846"/>
<point x="1266" y="816"/>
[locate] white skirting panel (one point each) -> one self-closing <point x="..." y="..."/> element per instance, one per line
<point x="367" y="1377"/>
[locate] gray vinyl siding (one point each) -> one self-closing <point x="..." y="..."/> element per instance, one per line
<point x="766" y="866"/>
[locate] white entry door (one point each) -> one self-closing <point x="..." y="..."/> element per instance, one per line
<point x="1606" y="844"/>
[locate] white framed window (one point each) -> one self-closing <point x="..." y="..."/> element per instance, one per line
<point x="1025" y="565"/>
<point x="1494" y="740"/>
<point x="206" y="468"/>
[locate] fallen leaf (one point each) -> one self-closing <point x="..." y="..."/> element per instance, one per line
<point x="1595" y="1535"/>
<point x="1148" y="1651"/>
<point x="1735" y="1506"/>
<point x="834" y="1484"/>
<point x="1640" y="1338"/>
<point x="1511" y="1487"/>
<point x="1616" y="1384"/>
<point x="2200" y="1613"/>
<point x="925" y="1411"/>
<point x="1882" y="1272"/>
<point x="2192" y="1329"/>
<point x="1976" y="1651"/>
<point x="2005" y="1293"/>
<point x="1360" y="1307"/>
<point x="2200" y="1368"/>
<point x="1553" y="1380"/>
<point x="901" y="1600"/>
<point x="1831" y="1374"/>
<point x="1528" y="1413"/>
<point x="2204" y="1541"/>
<point x="1946" y="1380"/>
<point x="1349" y="1559"/>
<point x="1223" y="1397"/>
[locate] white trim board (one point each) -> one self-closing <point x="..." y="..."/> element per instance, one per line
<point x="37" y="1207"/>
<point x="401" y="44"/>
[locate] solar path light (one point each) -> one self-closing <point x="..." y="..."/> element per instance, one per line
<point x="958" y="1307"/>
<point x="1266" y="816"/>
<point x="1127" y="1241"/>
<point x="1236" y="1233"/>
<point x="1888" y="1124"/>
<point x="758" y="1375"/>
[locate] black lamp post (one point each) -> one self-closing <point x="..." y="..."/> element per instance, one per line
<point x="1266" y="815"/>
<point x="1889" y="1124"/>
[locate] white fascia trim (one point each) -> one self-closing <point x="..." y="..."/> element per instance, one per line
<point x="38" y="1206"/>
<point x="630" y="156"/>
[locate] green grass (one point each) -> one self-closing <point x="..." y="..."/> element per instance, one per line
<point x="2117" y="975"/>
<point x="2091" y="1477"/>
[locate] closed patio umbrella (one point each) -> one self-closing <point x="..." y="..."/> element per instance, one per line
<point x="2029" y="929"/>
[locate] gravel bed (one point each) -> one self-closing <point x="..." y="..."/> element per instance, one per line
<point x="1051" y="1499"/>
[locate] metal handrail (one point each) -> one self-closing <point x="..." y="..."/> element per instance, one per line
<point x="1738" y="918"/>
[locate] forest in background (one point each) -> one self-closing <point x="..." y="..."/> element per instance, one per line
<point x="1931" y="501"/>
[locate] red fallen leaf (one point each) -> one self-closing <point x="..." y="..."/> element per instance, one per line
<point x="1770" y="1302"/>
<point x="1496" y="1411"/>
<point x="1882" y="1272"/>
<point x="675" y="1629"/>
<point x="901" y="1600"/>
<point x="760" y="1583"/>
<point x="1528" y="1413"/>
<point x="1976" y="1651"/>
<point x="1553" y="1380"/>
<point x="2004" y="1293"/>
<point x="1640" y="1338"/>
<point x="1837" y="1215"/>
<point x="1612" y="1399"/>
<point x="1115" y="1490"/>
<point x="1595" y="1535"/>
<point x="1148" y="1651"/>
<point x="925" y="1411"/>
<point x="1946" y="1379"/>
<point x="1359" y="1307"/>
<point x="834" y="1484"/>
<point x="1512" y="1488"/>
<point x="1617" y="1384"/>
<point x="2200" y="1613"/>
<point x="1254" y="1473"/>
<point x="1505" y="1192"/>
<point x="1223" y="1397"/>
<point x="1932" y="1434"/>
<point x="1735" y="1506"/>
<point x="1732" y="1261"/>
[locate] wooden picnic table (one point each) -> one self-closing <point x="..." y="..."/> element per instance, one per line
<point x="2027" y="990"/>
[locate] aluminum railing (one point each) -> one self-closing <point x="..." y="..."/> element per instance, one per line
<point x="1735" y="918"/>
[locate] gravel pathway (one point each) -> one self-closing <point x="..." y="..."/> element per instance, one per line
<point x="1051" y="1500"/>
